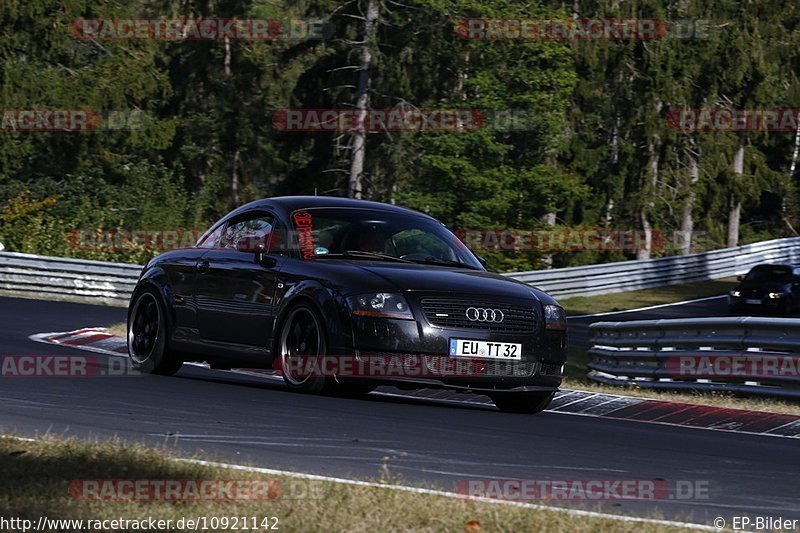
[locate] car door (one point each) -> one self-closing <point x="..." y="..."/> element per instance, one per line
<point x="236" y="282"/>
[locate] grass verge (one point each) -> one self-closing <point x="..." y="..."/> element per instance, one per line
<point x="623" y="301"/>
<point x="38" y="475"/>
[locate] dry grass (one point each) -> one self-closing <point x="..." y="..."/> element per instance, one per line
<point x="36" y="477"/>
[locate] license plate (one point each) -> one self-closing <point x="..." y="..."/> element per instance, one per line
<point x="751" y="301"/>
<point x="507" y="351"/>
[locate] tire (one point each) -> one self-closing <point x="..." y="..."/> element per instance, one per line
<point x="147" y="335"/>
<point x="523" y="402"/>
<point x="302" y="335"/>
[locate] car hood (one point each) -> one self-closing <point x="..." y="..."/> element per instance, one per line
<point x="430" y="278"/>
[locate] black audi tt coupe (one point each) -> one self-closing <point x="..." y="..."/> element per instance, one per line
<point x="342" y="295"/>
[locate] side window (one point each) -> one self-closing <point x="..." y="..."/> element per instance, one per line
<point x="212" y="239"/>
<point x="250" y="234"/>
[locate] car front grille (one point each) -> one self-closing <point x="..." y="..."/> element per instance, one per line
<point x="452" y="313"/>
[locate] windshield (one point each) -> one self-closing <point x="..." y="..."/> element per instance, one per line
<point x="370" y="233"/>
<point x="770" y="274"/>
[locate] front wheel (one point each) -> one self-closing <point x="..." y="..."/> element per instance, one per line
<point x="147" y="336"/>
<point x="301" y="342"/>
<point x="523" y="402"/>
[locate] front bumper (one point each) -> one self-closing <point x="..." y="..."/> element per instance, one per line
<point x="739" y="302"/>
<point x="424" y="349"/>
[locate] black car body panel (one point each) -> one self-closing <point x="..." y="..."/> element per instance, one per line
<point x="225" y="305"/>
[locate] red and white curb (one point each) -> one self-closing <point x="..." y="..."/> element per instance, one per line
<point x="98" y="340"/>
<point x="572" y="402"/>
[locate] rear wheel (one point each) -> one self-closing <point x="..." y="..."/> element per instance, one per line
<point x="302" y="339"/>
<point x="147" y="336"/>
<point x="523" y="402"/>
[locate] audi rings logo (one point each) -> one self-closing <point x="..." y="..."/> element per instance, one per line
<point x="479" y="314"/>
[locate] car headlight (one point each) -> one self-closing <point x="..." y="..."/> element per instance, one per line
<point x="554" y="317"/>
<point x="383" y="304"/>
<point x="775" y="295"/>
<point x="736" y="294"/>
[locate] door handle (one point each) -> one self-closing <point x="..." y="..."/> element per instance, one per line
<point x="203" y="266"/>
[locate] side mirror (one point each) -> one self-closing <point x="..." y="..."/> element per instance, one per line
<point x="740" y="277"/>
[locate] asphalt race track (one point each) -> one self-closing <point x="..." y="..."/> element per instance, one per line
<point x="236" y="418"/>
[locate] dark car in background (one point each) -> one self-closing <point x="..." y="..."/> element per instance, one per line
<point x="767" y="288"/>
<point x="342" y="295"/>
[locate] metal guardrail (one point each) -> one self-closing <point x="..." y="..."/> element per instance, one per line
<point x="111" y="283"/>
<point x="738" y="354"/>
<point x="61" y="278"/>
<point x="644" y="274"/>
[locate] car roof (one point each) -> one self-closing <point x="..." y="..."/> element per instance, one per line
<point x="293" y="203"/>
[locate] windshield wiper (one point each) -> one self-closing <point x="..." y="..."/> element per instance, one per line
<point x="365" y="255"/>
<point x="430" y="260"/>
